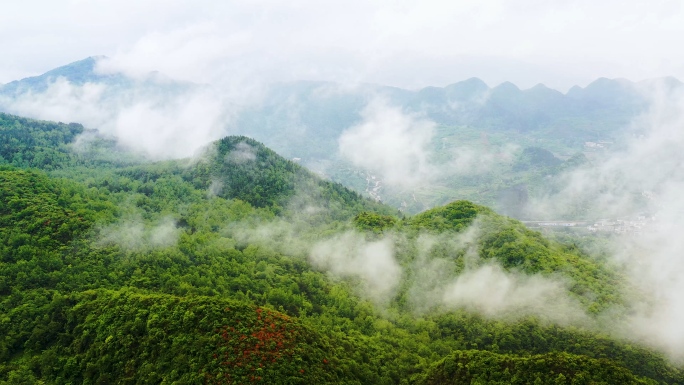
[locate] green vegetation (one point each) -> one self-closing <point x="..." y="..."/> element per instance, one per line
<point x="116" y="270"/>
<point x="124" y="337"/>
<point x="30" y="143"/>
<point x="478" y="367"/>
<point x="367" y="221"/>
<point x="455" y="216"/>
<point x="513" y="246"/>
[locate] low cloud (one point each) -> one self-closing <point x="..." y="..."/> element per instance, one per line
<point x="215" y="188"/>
<point x="373" y="263"/>
<point x="444" y="271"/>
<point x="655" y="264"/>
<point x="493" y="292"/>
<point x="151" y="117"/>
<point x="400" y="149"/>
<point x="135" y="234"/>
<point x="243" y="153"/>
<point x="467" y="161"/>
<point x="391" y="143"/>
<point x="643" y="178"/>
<point x="448" y="273"/>
<point x="62" y="101"/>
<point x="171" y="130"/>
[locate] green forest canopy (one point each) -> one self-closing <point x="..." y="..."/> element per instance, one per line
<point x="85" y="299"/>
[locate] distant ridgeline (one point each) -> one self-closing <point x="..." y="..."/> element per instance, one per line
<point x="84" y="72"/>
<point x="118" y="270"/>
<point x="305" y="120"/>
<point x="581" y="114"/>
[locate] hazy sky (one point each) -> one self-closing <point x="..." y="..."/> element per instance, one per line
<point x="402" y="43"/>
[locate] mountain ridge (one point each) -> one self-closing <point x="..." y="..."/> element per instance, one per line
<point x="82" y="70"/>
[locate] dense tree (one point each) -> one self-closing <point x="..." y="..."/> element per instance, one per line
<point x="126" y="271"/>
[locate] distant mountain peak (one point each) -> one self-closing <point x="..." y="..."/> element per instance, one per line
<point x="85" y="71"/>
<point x="506" y="86"/>
<point x="84" y="65"/>
<point x="506" y="90"/>
<point x="466" y="89"/>
<point x="542" y="90"/>
<point x="470" y="83"/>
<point x="574" y="90"/>
<point x="78" y="72"/>
<point x="540" y="86"/>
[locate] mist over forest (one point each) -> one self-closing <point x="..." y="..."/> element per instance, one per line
<point x="256" y="193"/>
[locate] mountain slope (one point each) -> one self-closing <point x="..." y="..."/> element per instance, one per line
<point x="125" y="337"/>
<point x="56" y="328"/>
<point x="140" y="272"/>
<point x="78" y="73"/>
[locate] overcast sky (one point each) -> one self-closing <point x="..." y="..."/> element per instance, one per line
<point x="402" y="43"/>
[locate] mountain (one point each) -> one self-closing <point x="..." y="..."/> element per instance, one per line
<point x="330" y="107"/>
<point x="240" y="266"/>
<point x="86" y="71"/>
<point x="78" y="73"/>
<point x="469" y="102"/>
<point x="305" y="120"/>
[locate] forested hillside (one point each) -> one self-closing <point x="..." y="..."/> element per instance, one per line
<point x="240" y="266"/>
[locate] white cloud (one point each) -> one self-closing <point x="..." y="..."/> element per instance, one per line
<point x="158" y="123"/>
<point x="493" y="292"/>
<point x="646" y="175"/>
<point x="134" y="234"/>
<point x="397" y="147"/>
<point x="397" y="43"/>
<point x="243" y="153"/>
<point x="372" y="262"/>
<point x="391" y="143"/>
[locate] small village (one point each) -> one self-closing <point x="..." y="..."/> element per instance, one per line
<point x="629" y="225"/>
